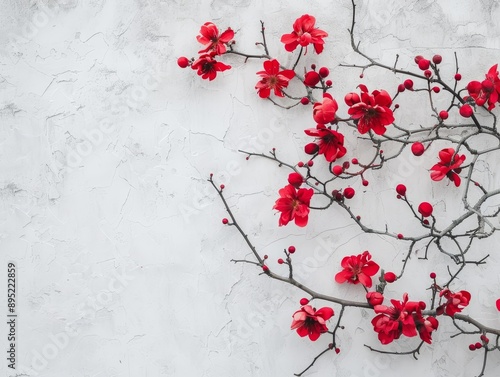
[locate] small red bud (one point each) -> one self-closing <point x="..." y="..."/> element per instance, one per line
<point x="361" y="76"/>
<point x="310" y="163"/>
<point x="436" y="89"/>
<point x="365" y="182"/>
<point x="472" y="347"/>
<point x="400" y="236"/>
<point x="401" y="88"/>
<point x="355" y="161"/>
<point x="401" y="189"/>
<point x="427" y="73"/>
<point x="432" y="275"/>
<point x="349" y="192"/>
<point x="426" y="222"/>
<point x="390" y="277"/>
<point x="478" y="345"/>
<point x="291" y="249"/>
<point x="458" y="76"/>
<point x="265" y="268"/>
<point x="424" y="64"/>
<point x="337" y="170"/>
<point x="408" y="84"/>
<point x="418" y="58"/>
<point x="324" y="72"/>
<point x="313" y="66"/>
<point x="304" y="100"/>
<point x="281" y="261"/>
<point x="396" y="106"/>
<point x="300" y="164"/>
<point x="425" y="209"/>
<point x="466" y="111"/>
<point x="346" y="165"/>
<point x="304" y="301"/>
<point x="485" y="339"/>
<point x="358" y="217"/>
<point x="436" y="59"/>
<point x="328" y="83"/>
<point x="398" y="196"/>
<point x="225" y="221"/>
<point x="417" y="148"/>
<point x="337" y="350"/>
<point x="443" y="114"/>
<point x="266" y="256"/>
<point x="222" y="187"/>
<point x="330" y="346"/>
<point x="183" y="62"/>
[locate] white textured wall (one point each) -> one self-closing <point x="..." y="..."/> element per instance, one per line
<point x="105" y="147"/>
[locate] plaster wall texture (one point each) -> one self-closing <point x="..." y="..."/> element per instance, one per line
<point x="105" y="147"/>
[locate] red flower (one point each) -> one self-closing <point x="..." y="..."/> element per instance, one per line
<point x="331" y="143"/>
<point x="357" y="269"/>
<point x="210" y="36"/>
<point x="324" y="112"/>
<point x="305" y="33"/>
<point x="293" y="205"/>
<point x="372" y="112"/>
<point x="486" y="91"/>
<point x="273" y="79"/>
<point x="425" y="326"/>
<point x="449" y="166"/>
<point x="398" y="319"/>
<point x="309" y="321"/>
<point x="208" y="67"/>
<point x="456" y="301"/>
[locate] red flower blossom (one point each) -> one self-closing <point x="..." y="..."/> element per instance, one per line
<point x="357" y="269"/>
<point x="210" y="36"/>
<point x="425" y="326"/>
<point x="324" y="112"/>
<point x="331" y="143"/>
<point x="208" y="67"/>
<point x="309" y="321"/>
<point x="398" y="319"/>
<point x="304" y="33"/>
<point x="456" y="301"/>
<point x="293" y="205"/>
<point x="273" y="79"/>
<point x="372" y="112"/>
<point x="486" y="91"/>
<point x="449" y="166"/>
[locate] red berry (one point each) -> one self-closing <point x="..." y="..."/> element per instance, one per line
<point x="358" y="217"/>
<point x="330" y="346"/>
<point x="478" y="345"/>
<point x="427" y="73"/>
<point x="436" y="89"/>
<point x="291" y="249"/>
<point x="365" y="182"/>
<point x="346" y="165"/>
<point x="390" y="277"/>
<point x="484" y="338"/>
<point x="328" y="83"/>
<point x="311" y="78"/>
<point x="425" y="209"/>
<point x="423" y="64"/>
<point x="337" y="350"/>
<point x="349" y="192"/>
<point x="281" y="261"/>
<point x="355" y="161"/>
<point x="265" y="268"/>
<point x="304" y="100"/>
<point x="311" y="148"/>
<point x="338" y="196"/>
<point x="300" y="164"/>
<point x="401" y="88"/>
<point x="361" y="76"/>
<point x="304" y="301"/>
<point x="400" y="236"/>
<point x="443" y="114"/>
<point x="324" y="72"/>
<point x="225" y="221"/>
<point x="266" y="256"/>
<point x="426" y="222"/>
<point x="472" y="347"/>
<point x="222" y="187"/>
<point x="310" y="163"/>
<point x="417" y="148"/>
<point x="183" y="62"/>
<point x="408" y="84"/>
<point x="466" y="111"/>
<point x="313" y="66"/>
<point x="458" y="76"/>
<point x="337" y="170"/>
<point x="401" y="189"/>
<point x="436" y="59"/>
<point x="432" y="275"/>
